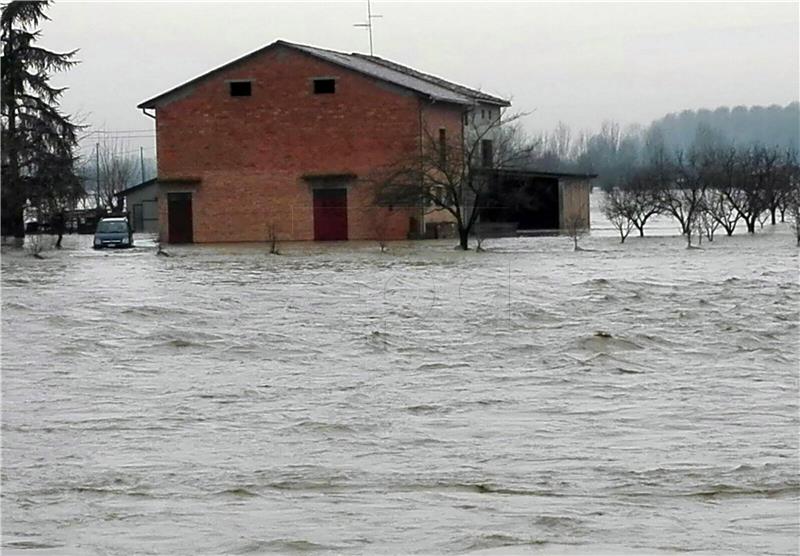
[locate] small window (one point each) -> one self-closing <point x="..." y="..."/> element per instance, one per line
<point x="240" y="88"/>
<point x="324" y="86"/>
<point x="442" y="147"/>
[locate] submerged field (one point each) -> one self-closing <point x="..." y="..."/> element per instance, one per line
<point x="639" y="398"/>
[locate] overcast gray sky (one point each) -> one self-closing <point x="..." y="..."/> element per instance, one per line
<point x="580" y="63"/>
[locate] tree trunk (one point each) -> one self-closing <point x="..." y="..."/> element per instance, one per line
<point x="13" y="217"/>
<point x="463" y="239"/>
<point x="58" y="222"/>
<point x="772" y="215"/>
<point x="751" y="225"/>
<point x="687" y="227"/>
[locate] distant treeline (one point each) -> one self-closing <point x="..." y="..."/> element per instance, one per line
<point x="613" y="153"/>
<point x="763" y="125"/>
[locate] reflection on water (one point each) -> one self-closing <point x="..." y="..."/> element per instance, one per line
<point x="335" y="399"/>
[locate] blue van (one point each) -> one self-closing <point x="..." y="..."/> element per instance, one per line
<point x="113" y="232"/>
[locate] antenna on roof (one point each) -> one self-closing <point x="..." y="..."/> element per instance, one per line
<point x="368" y="24"/>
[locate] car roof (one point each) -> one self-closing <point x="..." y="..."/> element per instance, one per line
<point x="114" y="219"/>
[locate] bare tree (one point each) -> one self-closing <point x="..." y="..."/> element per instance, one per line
<point x="380" y="226"/>
<point x="722" y="175"/>
<point x="617" y="209"/>
<point x="792" y="197"/>
<point x="452" y="174"/>
<point x="561" y="141"/>
<point x="708" y="224"/>
<point x="717" y="206"/>
<point x="683" y="196"/>
<point x="788" y="171"/>
<point x="575" y="224"/>
<point x="642" y="197"/>
<point x="756" y="169"/>
<point x="117" y="171"/>
<point x="272" y="239"/>
<point x="794" y="207"/>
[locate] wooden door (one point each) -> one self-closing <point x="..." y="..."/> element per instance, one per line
<point x="179" y="215"/>
<point x="330" y="214"/>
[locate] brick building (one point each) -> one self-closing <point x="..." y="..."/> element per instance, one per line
<point x="281" y="142"/>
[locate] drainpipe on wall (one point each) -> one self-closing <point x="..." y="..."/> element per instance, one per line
<point x="144" y="111"/>
<point x="161" y="232"/>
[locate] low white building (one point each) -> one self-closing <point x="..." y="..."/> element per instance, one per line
<point x="141" y="204"/>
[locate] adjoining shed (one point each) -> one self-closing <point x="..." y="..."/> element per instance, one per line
<point x="141" y="204"/>
<point x="526" y="202"/>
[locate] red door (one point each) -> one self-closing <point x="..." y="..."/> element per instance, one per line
<point x="179" y="217"/>
<point x="330" y="214"/>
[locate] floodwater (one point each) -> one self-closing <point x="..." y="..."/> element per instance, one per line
<point x="637" y="398"/>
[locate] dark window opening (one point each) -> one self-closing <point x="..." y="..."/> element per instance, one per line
<point x="487" y="153"/>
<point x="324" y="86"/>
<point x="442" y="147"/>
<point x="240" y="88"/>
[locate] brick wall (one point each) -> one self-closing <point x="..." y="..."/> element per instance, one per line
<point x="250" y="153"/>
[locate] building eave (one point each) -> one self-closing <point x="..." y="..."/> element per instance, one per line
<point x="136" y="187"/>
<point x="532" y="172"/>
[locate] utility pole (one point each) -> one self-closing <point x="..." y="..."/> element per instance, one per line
<point x="368" y="24"/>
<point x="141" y="161"/>
<point x="97" y="171"/>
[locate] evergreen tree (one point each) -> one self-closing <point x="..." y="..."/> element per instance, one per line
<point x="37" y="140"/>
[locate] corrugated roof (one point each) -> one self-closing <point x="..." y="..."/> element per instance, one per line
<point x="433" y="87"/>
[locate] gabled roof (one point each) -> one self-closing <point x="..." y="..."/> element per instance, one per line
<point x="429" y="86"/>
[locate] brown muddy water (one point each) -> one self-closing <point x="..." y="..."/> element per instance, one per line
<point x="530" y="399"/>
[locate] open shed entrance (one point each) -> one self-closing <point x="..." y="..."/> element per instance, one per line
<point x="530" y="202"/>
<point x="539" y="208"/>
<point x="330" y="214"/>
<point x="179" y="216"/>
